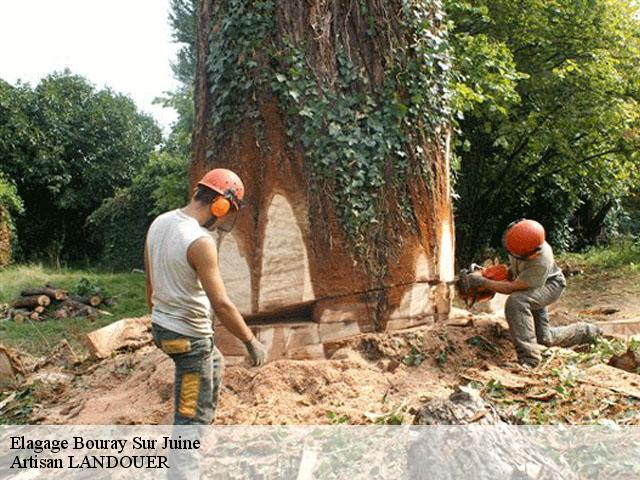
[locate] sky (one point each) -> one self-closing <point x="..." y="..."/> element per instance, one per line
<point x="123" y="44"/>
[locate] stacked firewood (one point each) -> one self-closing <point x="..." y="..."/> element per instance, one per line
<point x="50" y="301"/>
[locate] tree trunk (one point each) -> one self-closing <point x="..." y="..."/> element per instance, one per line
<point x="335" y="115"/>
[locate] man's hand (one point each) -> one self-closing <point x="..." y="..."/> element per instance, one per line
<point x="257" y="351"/>
<point x="476" y="280"/>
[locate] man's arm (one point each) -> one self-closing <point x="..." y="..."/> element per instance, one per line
<point x="147" y="272"/>
<point x="203" y="257"/>
<point x="506" y="287"/>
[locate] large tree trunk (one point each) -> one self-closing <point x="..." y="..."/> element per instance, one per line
<point x="288" y="95"/>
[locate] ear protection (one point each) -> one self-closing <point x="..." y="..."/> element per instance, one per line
<point x="220" y="206"/>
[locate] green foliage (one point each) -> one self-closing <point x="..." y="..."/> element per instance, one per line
<point x="239" y="28"/>
<point x="68" y="146"/>
<point x="337" y="419"/>
<point x="10" y="202"/>
<point x="161" y="183"/>
<point x="395" y="416"/>
<point x="622" y="253"/>
<point x="415" y="357"/>
<point x="10" y="205"/>
<point x="121" y="222"/>
<point x="362" y="139"/>
<point x="182" y="18"/>
<point x="17" y="411"/>
<point x="495" y="389"/>
<point x="179" y="139"/>
<point x="548" y="93"/>
<point x="85" y="287"/>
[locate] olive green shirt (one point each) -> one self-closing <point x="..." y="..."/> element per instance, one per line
<point x="537" y="270"/>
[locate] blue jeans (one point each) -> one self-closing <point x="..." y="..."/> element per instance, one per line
<point x="198" y="376"/>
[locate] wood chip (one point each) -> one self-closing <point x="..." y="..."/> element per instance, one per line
<point x="611" y="378"/>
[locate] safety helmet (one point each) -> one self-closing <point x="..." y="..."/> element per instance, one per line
<point x="226" y="183"/>
<point x="524" y="238"/>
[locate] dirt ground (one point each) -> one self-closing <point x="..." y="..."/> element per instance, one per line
<point x="374" y="378"/>
<point x="599" y="296"/>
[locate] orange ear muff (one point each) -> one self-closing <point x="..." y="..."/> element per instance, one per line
<point x="220" y="207"/>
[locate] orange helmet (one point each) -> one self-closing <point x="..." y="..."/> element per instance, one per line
<point x="226" y="183"/>
<point x="524" y="238"/>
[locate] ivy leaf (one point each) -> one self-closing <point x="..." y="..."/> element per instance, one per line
<point x="306" y="112"/>
<point x="294" y="94"/>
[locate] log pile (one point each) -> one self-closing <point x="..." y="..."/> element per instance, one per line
<point x="51" y="302"/>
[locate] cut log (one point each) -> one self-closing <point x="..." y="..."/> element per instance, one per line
<point x="34" y="315"/>
<point x="92" y="300"/>
<point x="52" y="293"/>
<point x="60" y="313"/>
<point x="71" y="308"/>
<point x="39" y="309"/>
<point x="19" y="316"/>
<point x="130" y="332"/>
<point x="10" y="366"/>
<point x="31" y="302"/>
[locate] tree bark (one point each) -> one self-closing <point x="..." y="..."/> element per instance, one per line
<point x="91" y="300"/>
<point x="31" y="302"/>
<point x="290" y="245"/>
<point x="52" y="293"/>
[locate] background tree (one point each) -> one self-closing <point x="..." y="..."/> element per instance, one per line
<point x="121" y="222"/>
<point x="182" y="19"/>
<point x="549" y="93"/>
<point x="68" y="146"/>
<point x="10" y="205"/>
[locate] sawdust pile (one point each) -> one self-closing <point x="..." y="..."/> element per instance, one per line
<point x="373" y="378"/>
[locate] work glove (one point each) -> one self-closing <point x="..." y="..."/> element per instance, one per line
<point x="257" y="351"/>
<point x="475" y="280"/>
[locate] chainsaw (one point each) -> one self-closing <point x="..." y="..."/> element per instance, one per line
<point x="470" y="296"/>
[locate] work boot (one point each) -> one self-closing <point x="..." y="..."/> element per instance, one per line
<point x="528" y="365"/>
<point x="593" y="332"/>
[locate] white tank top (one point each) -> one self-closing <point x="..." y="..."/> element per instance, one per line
<point x="179" y="302"/>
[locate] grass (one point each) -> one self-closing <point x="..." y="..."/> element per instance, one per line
<point x="610" y="273"/>
<point x="38" y="338"/>
<point x="623" y="254"/>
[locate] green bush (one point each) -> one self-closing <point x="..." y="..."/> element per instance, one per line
<point x="548" y="124"/>
<point x="620" y="253"/>
<point x="121" y="222"/>
<point x="68" y="146"/>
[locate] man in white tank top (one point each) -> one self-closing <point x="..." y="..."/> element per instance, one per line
<point x="185" y="288"/>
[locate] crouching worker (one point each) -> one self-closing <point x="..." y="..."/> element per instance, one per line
<point x="184" y="284"/>
<point x="534" y="283"/>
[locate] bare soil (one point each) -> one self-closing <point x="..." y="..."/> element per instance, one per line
<point x="374" y="378"/>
